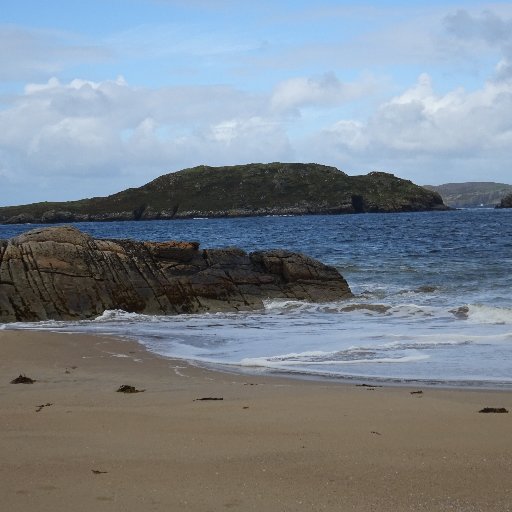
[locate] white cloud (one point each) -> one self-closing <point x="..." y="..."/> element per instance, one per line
<point x="83" y="138"/>
<point x="487" y="33"/>
<point x="118" y="136"/>
<point x="325" y="91"/>
<point x="252" y="139"/>
<point x="488" y="26"/>
<point x="421" y="134"/>
<point x="122" y="135"/>
<point x="457" y="123"/>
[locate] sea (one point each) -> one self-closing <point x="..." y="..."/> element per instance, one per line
<point x="432" y="299"/>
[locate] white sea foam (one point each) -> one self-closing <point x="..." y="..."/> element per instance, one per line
<point x="427" y="341"/>
<point x="110" y="315"/>
<point x="36" y="326"/>
<point x="278" y="362"/>
<point x="355" y="308"/>
<point x="484" y="314"/>
<point x="394" y="341"/>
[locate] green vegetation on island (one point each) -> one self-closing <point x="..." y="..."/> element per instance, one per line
<point x="241" y="190"/>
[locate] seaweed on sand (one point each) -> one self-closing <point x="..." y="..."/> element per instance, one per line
<point x="493" y="409"/>
<point x="126" y="388"/>
<point x="22" y="379"/>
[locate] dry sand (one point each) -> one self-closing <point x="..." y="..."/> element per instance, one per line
<point x="270" y="445"/>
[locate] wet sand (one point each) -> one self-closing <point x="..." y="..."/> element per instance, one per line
<point x="271" y="444"/>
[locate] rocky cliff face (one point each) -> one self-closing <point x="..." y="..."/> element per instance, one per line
<point x="61" y="273"/>
<point x="240" y="190"/>
<point x="506" y="202"/>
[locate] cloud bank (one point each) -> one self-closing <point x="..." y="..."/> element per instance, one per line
<point x="113" y="133"/>
<point x="74" y="138"/>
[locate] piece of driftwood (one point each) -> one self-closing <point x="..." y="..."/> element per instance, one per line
<point x="493" y="409"/>
<point x="22" y="379"/>
<point x="207" y="398"/>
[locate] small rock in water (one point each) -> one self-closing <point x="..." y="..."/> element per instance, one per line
<point x="461" y="313"/>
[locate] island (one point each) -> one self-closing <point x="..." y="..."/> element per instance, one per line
<point x="237" y="191"/>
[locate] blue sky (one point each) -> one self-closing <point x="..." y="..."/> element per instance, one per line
<point x="103" y="95"/>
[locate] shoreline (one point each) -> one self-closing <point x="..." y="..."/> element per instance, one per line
<point x="351" y="380"/>
<point x="270" y="373"/>
<point x="271" y="444"/>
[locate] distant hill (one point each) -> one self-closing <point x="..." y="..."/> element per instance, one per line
<point x="241" y="190"/>
<point x="472" y="194"/>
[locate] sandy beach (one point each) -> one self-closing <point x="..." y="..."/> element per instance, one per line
<point x="271" y="444"/>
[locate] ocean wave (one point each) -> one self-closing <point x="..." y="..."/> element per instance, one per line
<point x="424" y="289"/>
<point x="284" y="362"/>
<point x="483" y="314"/>
<point x="280" y="306"/>
<point x="37" y="326"/>
<point x="408" y="343"/>
<point x="419" y="344"/>
<point x="111" y="315"/>
<point x="364" y="308"/>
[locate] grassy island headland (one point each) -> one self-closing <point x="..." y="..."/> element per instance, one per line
<point x="241" y="190"/>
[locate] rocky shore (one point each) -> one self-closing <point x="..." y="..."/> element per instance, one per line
<point x="62" y="273"/>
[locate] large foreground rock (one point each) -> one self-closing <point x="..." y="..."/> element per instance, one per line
<point x="61" y="273"/>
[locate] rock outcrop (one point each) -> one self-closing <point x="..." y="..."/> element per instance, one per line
<point x="62" y="273"/>
<point x="506" y="202"/>
<point x="237" y="191"/>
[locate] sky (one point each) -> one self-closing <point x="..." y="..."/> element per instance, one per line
<point x="99" y="96"/>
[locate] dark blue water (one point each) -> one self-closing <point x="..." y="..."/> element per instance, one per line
<point x="420" y="269"/>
